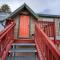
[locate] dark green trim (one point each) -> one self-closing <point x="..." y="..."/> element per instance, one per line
<point x="18" y="27"/>
<point x="30" y="27"/>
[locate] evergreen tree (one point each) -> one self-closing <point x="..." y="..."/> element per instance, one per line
<point x="5" y="8"/>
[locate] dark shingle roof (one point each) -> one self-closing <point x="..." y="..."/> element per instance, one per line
<point x="48" y="15"/>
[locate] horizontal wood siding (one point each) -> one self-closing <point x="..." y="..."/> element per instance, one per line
<point x="57" y="22"/>
<point x="16" y="26"/>
<point x="46" y="19"/>
<point x="32" y="26"/>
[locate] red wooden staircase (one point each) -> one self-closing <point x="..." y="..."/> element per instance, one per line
<point x="40" y="48"/>
<point x="45" y="47"/>
<point x="6" y="39"/>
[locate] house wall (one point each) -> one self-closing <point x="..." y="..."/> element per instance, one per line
<point x="57" y="22"/>
<point x="32" y="26"/>
<point x="16" y="26"/>
<point x="16" y="29"/>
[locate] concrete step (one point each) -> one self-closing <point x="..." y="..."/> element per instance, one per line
<point x="23" y="58"/>
<point x="23" y="44"/>
<point x="23" y="47"/>
<point x="23" y="50"/>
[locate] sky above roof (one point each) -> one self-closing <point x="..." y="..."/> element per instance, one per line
<point x="38" y="6"/>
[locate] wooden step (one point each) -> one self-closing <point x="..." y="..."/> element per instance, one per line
<point x="23" y="41"/>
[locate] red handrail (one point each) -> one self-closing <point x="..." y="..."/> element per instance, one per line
<point x="47" y="27"/>
<point x="6" y="39"/>
<point x="45" y="48"/>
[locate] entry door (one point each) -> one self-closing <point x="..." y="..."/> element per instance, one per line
<point x="24" y="26"/>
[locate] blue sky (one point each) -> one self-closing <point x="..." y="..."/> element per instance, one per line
<point x="38" y="6"/>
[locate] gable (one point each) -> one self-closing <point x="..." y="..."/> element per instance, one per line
<point x="23" y="7"/>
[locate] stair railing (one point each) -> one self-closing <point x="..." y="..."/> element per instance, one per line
<point x="45" y="47"/>
<point x="6" y="39"/>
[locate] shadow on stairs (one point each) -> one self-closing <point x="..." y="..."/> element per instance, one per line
<point x="23" y="51"/>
